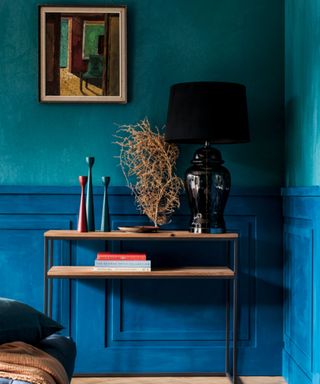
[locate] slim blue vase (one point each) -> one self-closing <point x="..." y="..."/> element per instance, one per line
<point x="89" y="202"/>
<point x="105" y="219"/>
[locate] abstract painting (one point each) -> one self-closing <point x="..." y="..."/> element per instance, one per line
<point x="83" y="54"/>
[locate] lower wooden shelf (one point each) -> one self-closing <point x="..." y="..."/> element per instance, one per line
<point x="73" y="272"/>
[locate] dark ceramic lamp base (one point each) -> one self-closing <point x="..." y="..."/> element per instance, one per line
<point x="208" y="185"/>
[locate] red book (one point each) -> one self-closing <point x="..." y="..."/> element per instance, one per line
<point x="121" y="256"/>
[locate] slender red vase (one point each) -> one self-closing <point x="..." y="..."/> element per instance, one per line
<point x="82" y="221"/>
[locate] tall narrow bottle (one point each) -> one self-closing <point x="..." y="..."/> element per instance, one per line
<point x="105" y="219"/>
<point x="82" y="220"/>
<point x="90" y="205"/>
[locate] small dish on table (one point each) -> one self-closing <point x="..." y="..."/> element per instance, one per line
<point x="139" y="229"/>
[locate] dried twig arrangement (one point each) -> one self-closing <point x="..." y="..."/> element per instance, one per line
<point x="148" y="164"/>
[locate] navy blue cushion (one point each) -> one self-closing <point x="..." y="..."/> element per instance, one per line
<point x="20" y="322"/>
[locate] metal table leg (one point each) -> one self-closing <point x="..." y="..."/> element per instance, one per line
<point x="50" y="261"/>
<point x="235" y="309"/>
<point x="227" y="355"/>
<point x="45" y="276"/>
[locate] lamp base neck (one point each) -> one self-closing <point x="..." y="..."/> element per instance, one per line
<point x="207" y="156"/>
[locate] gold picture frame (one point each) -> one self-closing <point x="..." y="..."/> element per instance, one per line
<point x="83" y="54"/>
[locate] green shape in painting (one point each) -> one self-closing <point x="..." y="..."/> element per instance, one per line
<point x="91" y="38"/>
<point x="64" y="43"/>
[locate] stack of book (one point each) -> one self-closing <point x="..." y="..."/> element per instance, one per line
<point x="123" y="262"/>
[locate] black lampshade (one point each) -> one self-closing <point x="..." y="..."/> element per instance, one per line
<point x="207" y="111"/>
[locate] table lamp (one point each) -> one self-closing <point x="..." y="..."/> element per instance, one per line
<point x="206" y="113"/>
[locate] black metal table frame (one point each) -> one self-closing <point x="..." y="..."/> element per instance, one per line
<point x="48" y="292"/>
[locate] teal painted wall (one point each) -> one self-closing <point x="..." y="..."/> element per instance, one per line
<point x="168" y="42"/>
<point x="302" y="92"/>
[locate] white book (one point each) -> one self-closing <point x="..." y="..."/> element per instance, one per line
<point x="123" y="263"/>
<point x="121" y="269"/>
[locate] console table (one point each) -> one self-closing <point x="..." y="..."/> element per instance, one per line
<point x="229" y="272"/>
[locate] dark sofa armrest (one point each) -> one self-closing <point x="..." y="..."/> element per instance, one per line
<point x="62" y="348"/>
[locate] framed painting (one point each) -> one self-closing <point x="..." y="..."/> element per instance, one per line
<point x="83" y="54"/>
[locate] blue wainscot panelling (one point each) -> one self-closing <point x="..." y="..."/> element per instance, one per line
<point x="301" y="353"/>
<point x="152" y="326"/>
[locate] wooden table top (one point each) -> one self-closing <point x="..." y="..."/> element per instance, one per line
<point x="120" y="235"/>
